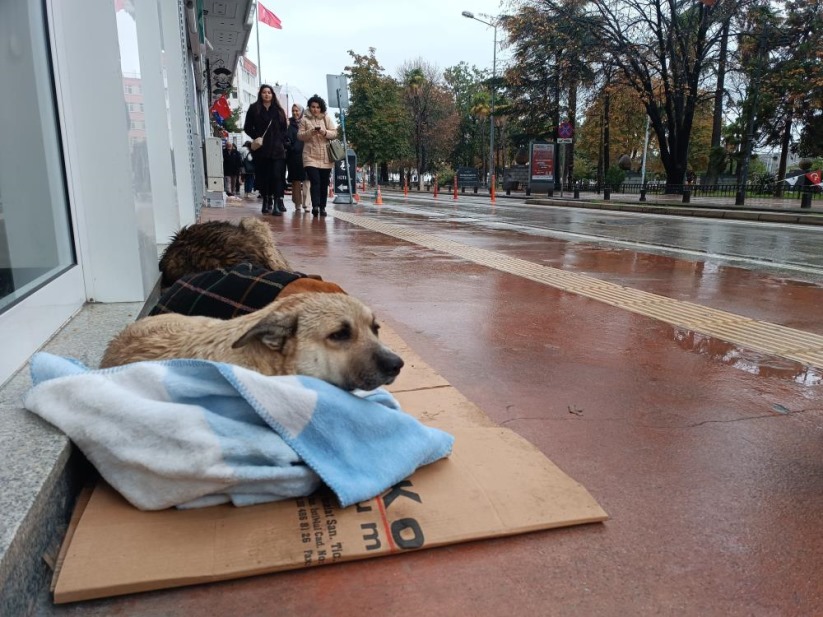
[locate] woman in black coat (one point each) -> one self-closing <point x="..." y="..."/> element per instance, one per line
<point x="265" y="118"/>
<point x="294" y="160"/>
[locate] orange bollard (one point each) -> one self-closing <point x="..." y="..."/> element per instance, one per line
<point x="491" y="191"/>
<point x="331" y="190"/>
<point x="405" y="187"/>
<point x="435" y="187"/>
<point x="379" y="199"/>
<point x="357" y="198"/>
<point x="455" y="187"/>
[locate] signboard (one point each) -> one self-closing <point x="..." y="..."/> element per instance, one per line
<point x="468" y="177"/>
<point x="565" y="133"/>
<point x="338" y="91"/>
<point x="515" y="176"/>
<point x="542" y="162"/>
<point x="541" y="165"/>
<point x="342" y="181"/>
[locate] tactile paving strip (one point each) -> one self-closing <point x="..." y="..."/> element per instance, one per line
<point x="774" y="339"/>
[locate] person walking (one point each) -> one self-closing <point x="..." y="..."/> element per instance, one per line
<point x="294" y="159"/>
<point x="248" y="170"/>
<point x="316" y="130"/>
<point x="232" y="162"/>
<point x="266" y="121"/>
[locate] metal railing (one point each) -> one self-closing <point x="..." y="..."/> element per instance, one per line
<point x="677" y="192"/>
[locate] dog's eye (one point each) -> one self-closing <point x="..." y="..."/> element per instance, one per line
<point x="343" y="334"/>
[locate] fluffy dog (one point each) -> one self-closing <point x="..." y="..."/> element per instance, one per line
<point x="331" y="336"/>
<point x="220" y="244"/>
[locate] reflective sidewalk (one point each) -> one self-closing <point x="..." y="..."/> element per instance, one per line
<point x="704" y="452"/>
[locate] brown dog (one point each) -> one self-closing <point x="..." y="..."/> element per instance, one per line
<point x="331" y="336"/>
<point x="303" y="285"/>
<point x="220" y="244"/>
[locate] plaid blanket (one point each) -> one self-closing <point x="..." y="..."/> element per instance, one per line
<point x="224" y="293"/>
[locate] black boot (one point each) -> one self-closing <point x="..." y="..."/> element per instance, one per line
<point x="322" y="211"/>
<point x="280" y="206"/>
<point x="313" y="211"/>
<point x="265" y="208"/>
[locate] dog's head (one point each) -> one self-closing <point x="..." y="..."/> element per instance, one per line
<point x="331" y="336"/>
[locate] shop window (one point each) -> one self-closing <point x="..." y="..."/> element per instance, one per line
<point x="35" y="229"/>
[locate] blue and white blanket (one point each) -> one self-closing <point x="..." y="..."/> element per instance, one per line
<point x="192" y="433"/>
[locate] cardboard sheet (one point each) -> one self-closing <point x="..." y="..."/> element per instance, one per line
<point x="494" y="484"/>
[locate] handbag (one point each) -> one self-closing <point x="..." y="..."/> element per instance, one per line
<point x="336" y="150"/>
<point x="248" y="163"/>
<point x="257" y="143"/>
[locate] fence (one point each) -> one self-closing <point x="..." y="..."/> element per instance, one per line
<point x="684" y="192"/>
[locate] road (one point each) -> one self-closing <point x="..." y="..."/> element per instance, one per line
<point x="772" y="247"/>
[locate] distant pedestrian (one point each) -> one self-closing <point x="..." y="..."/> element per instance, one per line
<point x="294" y="160"/>
<point x="232" y="162"/>
<point x="248" y="170"/>
<point x="316" y="130"/>
<point x="266" y="119"/>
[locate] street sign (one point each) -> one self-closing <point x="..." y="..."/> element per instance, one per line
<point x="565" y="140"/>
<point x="338" y="91"/>
<point x="565" y="131"/>
<point x="342" y="180"/>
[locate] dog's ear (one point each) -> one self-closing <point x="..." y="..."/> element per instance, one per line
<point x="273" y="331"/>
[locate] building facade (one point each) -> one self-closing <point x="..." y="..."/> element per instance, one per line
<point x="105" y="157"/>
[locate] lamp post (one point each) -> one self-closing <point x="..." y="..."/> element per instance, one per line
<point x="470" y="15"/>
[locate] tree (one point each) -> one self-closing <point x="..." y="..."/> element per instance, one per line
<point x="376" y="123"/>
<point x="432" y="114"/>
<point x="552" y="48"/>
<point x="661" y="48"/>
<point x="466" y="86"/>
<point x="804" y="28"/>
<point x="627" y="128"/>
<point x="716" y="158"/>
<point x="627" y="133"/>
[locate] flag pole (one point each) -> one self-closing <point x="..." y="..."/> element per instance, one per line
<point x="257" y="30"/>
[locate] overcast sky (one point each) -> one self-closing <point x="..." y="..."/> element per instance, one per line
<point x="317" y="34"/>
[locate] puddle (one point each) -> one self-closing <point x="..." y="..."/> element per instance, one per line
<point x="753" y="362"/>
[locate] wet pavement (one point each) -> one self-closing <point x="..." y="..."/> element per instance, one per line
<point x="705" y="454"/>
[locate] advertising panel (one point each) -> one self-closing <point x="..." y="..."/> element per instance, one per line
<point x="542" y="162"/>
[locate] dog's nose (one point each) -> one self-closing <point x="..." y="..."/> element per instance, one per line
<point x="390" y="363"/>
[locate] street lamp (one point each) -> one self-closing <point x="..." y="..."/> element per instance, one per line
<point x="470" y="15"/>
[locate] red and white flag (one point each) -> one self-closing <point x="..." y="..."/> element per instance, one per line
<point x="814" y="177"/>
<point x="268" y="18"/>
<point x="221" y="106"/>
